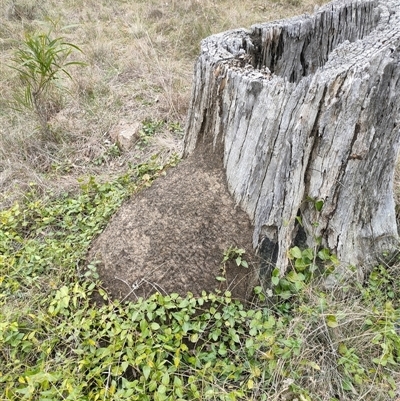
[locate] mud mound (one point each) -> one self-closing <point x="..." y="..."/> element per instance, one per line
<point x="171" y="237"/>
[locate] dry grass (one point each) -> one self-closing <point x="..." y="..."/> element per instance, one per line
<point x="139" y="58"/>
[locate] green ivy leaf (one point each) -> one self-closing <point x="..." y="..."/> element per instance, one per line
<point x="331" y="321"/>
<point x="319" y="205"/>
<point x="295" y="253"/>
<point x="194" y="337"/>
<point x="346" y="384"/>
<point x="155" y="326"/>
<point x="324" y="254"/>
<point x="308" y="253"/>
<point x="146" y="371"/>
<point x="275" y="280"/>
<point x="313" y="365"/>
<point x="165" y="379"/>
<point x="292" y="276"/>
<point x="285" y="295"/>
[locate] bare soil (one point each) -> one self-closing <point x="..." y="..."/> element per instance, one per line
<point x="171" y="237"/>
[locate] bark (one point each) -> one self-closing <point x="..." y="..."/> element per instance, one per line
<point x="305" y="113"/>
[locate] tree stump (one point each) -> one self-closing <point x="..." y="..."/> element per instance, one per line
<point x="305" y="114"/>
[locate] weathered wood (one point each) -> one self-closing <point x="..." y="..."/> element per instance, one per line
<point x="307" y="109"/>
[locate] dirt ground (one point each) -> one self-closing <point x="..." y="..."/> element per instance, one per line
<point x="171" y="237"/>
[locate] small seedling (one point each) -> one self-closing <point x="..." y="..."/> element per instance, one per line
<point x="149" y="129"/>
<point x="232" y="253"/>
<point x="236" y="254"/>
<point x="40" y="61"/>
<point x="112" y="152"/>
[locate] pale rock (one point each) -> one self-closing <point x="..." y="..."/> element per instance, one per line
<point x="125" y="135"/>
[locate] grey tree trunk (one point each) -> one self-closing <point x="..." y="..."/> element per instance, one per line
<point x="305" y="114"/>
